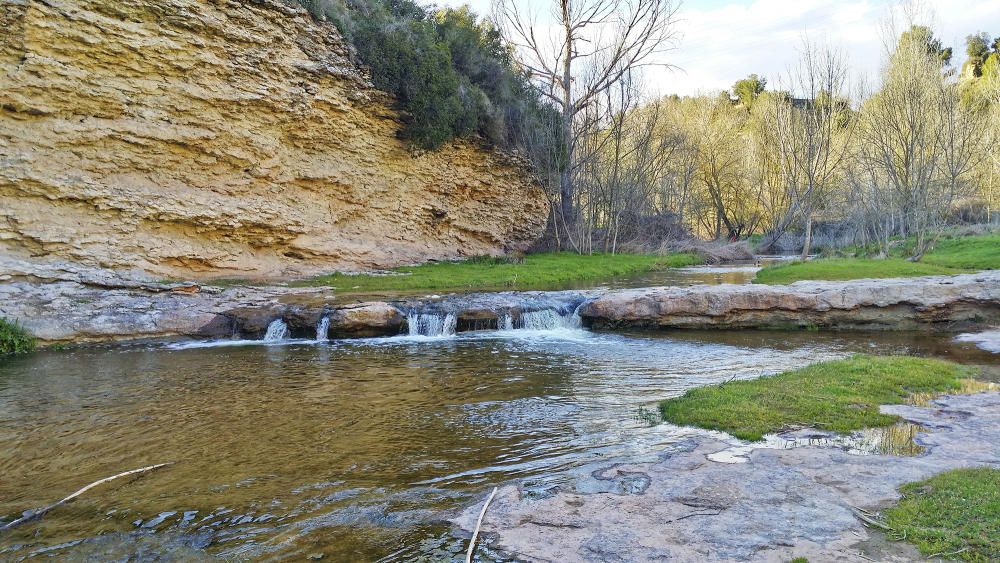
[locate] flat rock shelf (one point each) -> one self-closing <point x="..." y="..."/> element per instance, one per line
<point x="781" y="504"/>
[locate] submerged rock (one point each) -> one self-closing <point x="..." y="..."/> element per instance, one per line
<point x="949" y="302"/>
<point x="988" y="340"/>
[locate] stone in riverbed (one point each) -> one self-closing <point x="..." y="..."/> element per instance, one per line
<point x="366" y="319"/>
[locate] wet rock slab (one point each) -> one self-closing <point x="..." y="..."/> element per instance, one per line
<point x="779" y="505"/>
<point x="948" y="302"/>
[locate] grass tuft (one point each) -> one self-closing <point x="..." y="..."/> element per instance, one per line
<point x="839" y="396"/>
<point x="533" y="271"/>
<point x="14" y="339"/>
<point x="954" y="515"/>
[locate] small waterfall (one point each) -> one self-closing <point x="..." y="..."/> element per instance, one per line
<point x="549" y="319"/>
<point x="323" y="329"/>
<point x="424" y="324"/>
<point x="546" y="319"/>
<point x="505" y="322"/>
<point x="276" y="331"/>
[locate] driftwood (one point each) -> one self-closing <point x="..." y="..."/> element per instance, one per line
<point x="868" y="518"/>
<point x="39" y="512"/>
<point x="475" y="533"/>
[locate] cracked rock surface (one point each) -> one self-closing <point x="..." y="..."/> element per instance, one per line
<point x="950" y="302"/>
<point x="779" y="505"/>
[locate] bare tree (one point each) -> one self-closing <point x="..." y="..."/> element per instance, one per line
<point x="812" y="134"/>
<point x="903" y="136"/>
<point x="586" y="48"/>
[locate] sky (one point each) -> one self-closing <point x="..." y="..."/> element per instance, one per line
<point x="722" y="41"/>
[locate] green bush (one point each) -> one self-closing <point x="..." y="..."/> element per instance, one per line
<point x="14" y="339"/>
<point x="451" y="73"/>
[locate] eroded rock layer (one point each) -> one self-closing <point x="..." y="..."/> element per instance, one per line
<point x="944" y="302"/>
<point x="200" y="139"/>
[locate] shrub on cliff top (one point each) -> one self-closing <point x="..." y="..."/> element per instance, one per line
<point x="14" y="339"/>
<point x="451" y="73"/>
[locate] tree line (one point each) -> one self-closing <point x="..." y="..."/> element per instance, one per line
<point x="562" y="82"/>
<point x="902" y="158"/>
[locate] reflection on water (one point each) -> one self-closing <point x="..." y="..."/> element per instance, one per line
<point x="898" y="439"/>
<point x="968" y="386"/>
<point x="351" y="449"/>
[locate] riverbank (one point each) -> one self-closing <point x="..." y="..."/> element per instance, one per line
<point x="772" y="505"/>
<point x="949" y="256"/>
<point x="528" y="272"/>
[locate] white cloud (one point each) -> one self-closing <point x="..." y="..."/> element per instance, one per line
<point x="723" y="41"/>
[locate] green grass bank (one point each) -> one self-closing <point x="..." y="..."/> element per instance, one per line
<point x="953" y="515"/>
<point x="950" y="256"/>
<point x="839" y="396"/>
<point x="534" y="271"/>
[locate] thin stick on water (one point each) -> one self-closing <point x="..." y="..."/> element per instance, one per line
<point x="38" y="513"/>
<point x="475" y="533"/>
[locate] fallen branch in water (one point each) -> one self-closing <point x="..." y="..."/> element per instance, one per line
<point x="38" y="513"/>
<point x="475" y="533"/>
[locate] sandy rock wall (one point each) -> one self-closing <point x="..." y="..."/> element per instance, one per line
<point x="205" y="139"/>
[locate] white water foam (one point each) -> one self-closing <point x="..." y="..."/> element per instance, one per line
<point x="276" y="331"/>
<point x="431" y="325"/>
<point x="989" y="340"/>
<point x="323" y="329"/>
<point x="547" y="323"/>
<point x="549" y="319"/>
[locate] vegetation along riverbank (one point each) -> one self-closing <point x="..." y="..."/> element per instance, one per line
<point x="14" y="339"/>
<point x="954" y="515"/>
<point x="952" y="255"/>
<point x="533" y="271"/>
<point x="839" y="396"/>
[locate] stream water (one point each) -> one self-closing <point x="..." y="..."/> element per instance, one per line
<point x="354" y="449"/>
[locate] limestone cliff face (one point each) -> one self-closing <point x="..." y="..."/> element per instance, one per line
<point x="214" y="138"/>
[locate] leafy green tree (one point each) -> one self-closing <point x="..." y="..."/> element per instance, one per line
<point x="924" y="36"/>
<point x="977" y="49"/>
<point x="748" y="89"/>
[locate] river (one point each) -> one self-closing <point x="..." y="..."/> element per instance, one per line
<point x="351" y="449"/>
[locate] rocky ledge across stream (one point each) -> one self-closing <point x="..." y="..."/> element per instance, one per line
<point x="942" y="302"/>
<point x="63" y="303"/>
